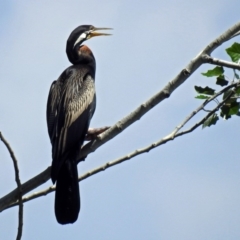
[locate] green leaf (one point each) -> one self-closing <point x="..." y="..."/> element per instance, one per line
<point x="234" y="52"/>
<point x="202" y="97"/>
<point x="212" y="120"/>
<point x="206" y="90"/>
<point x="234" y="108"/>
<point x="221" y="81"/>
<point x="214" y="72"/>
<point x="230" y="108"/>
<point x="225" y="112"/>
<point x="237" y="90"/>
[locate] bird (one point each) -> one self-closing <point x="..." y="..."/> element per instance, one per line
<point x="70" y="106"/>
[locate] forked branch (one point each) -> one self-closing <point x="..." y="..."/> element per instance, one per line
<point x="19" y="186"/>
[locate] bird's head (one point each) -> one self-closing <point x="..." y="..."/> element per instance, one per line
<point x="78" y="36"/>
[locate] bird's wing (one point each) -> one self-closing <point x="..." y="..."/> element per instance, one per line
<point x="52" y="108"/>
<point x="75" y="110"/>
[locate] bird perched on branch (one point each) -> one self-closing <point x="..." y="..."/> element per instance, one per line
<point x="70" y="107"/>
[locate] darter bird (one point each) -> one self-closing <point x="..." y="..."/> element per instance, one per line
<point x="70" y="107"/>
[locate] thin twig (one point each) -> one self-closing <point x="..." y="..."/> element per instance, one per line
<point x="26" y="187"/>
<point x="205" y="110"/>
<point x="19" y="186"/>
<point x="205" y="118"/>
<point x="201" y="107"/>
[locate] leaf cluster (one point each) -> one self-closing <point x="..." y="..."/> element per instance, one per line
<point x="231" y="105"/>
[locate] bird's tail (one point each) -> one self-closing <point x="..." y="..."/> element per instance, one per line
<point x="67" y="198"/>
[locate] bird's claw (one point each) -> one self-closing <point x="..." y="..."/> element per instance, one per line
<point x="94" y="132"/>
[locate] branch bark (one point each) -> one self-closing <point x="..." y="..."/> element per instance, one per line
<point x="220" y="62"/>
<point x="26" y="187"/>
<point x="19" y="186"/>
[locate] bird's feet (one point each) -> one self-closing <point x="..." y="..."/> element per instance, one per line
<point x="94" y="132"/>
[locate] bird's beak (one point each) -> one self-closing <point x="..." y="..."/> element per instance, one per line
<point x="93" y="33"/>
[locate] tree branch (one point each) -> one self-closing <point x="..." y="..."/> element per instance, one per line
<point x="205" y="118"/>
<point x="19" y="186"/>
<point x="182" y="76"/>
<point x="26" y="187"/>
<point x="166" y="139"/>
<point x="90" y="147"/>
<point x="219" y="62"/>
<point x="201" y="107"/>
<point x="234" y="35"/>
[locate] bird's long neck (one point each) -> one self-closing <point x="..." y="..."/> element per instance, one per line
<point x="86" y="57"/>
<point x="81" y="55"/>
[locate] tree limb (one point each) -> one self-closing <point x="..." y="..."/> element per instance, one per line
<point x="90" y="147"/>
<point x="19" y="186"/>
<point x="164" y="140"/>
<point x="26" y="187"/>
<point x="219" y="62"/>
<point x="182" y="76"/>
<point x="234" y="35"/>
<point x="201" y="107"/>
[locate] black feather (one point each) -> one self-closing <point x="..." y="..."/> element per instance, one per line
<point x="67" y="198"/>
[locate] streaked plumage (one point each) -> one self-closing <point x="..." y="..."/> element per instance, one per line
<point x="70" y="107"/>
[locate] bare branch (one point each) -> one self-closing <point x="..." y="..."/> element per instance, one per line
<point x="166" y="139"/>
<point x="26" y="187"/>
<point x="219" y="62"/>
<point x="32" y="196"/>
<point x="205" y="118"/>
<point x="201" y="107"/>
<point x="230" y="33"/>
<point x="90" y="147"/>
<point x="160" y="96"/>
<point x="234" y="35"/>
<point x="19" y="186"/>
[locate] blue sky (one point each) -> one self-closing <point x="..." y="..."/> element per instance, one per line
<point x="185" y="190"/>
